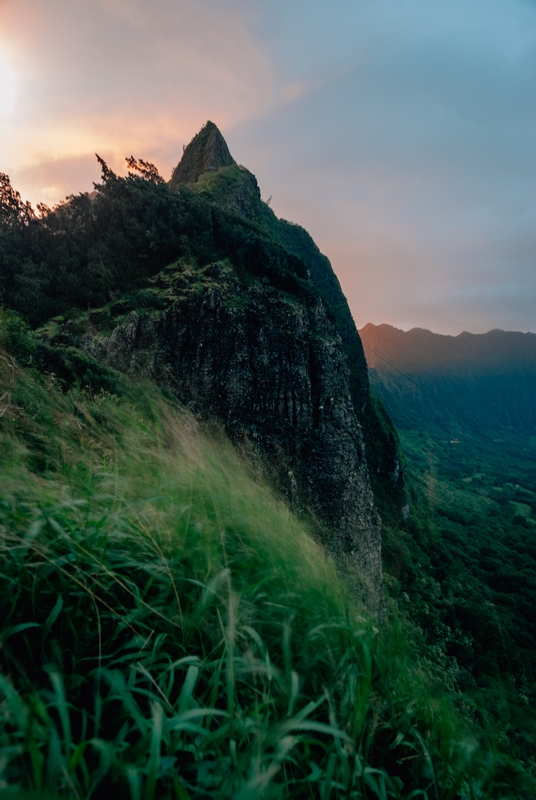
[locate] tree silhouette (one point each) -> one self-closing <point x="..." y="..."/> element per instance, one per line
<point x="144" y="169"/>
<point x="13" y="211"/>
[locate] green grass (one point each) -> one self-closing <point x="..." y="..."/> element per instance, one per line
<point x="170" y="630"/>
<point x="523" y="509"/>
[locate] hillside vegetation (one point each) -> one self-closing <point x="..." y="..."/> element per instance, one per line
<point x="170" y="630"/>
<point x="464" y="565"/>
<point x="466" y="384"/>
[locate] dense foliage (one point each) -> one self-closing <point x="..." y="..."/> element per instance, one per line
<point x="169" y="630"/>
<point x="464" y="568"/>
<point x="92" y="248"/>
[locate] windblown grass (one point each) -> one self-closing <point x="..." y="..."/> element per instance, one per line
<point x="169" y="630"/>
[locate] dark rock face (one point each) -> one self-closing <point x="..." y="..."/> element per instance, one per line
<point x="271" y="368"/>
<point x="235" y="188"/>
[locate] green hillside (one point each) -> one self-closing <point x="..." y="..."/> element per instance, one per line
<point x="170" y="630"/>
<point x="464" y="564"/>
<point x="171" y="626"/>
<point x="470" y="383"/>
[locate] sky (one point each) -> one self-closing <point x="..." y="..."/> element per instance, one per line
<point x="400" y="133"/>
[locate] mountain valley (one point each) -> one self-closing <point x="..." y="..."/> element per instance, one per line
<point x="464" y="410"/>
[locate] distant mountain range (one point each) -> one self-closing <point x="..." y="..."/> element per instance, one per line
<point x="476" y="382"/>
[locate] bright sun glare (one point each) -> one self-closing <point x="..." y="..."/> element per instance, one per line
<point x="7" y="87"/>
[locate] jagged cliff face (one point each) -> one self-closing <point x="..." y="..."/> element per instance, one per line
<point x="250" y="328"/>
<point x="206" y="153"/>
<point x="271" y="368"/>
<point x="233" y="187"/>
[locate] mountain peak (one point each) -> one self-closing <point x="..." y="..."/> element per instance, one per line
<point x="207" y="152"/>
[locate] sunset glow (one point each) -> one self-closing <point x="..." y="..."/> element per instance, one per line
<point x="404" y="140"/>
<point x="7" y="87"/>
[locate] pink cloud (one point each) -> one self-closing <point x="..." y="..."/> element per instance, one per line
<point x="124" y="76"/>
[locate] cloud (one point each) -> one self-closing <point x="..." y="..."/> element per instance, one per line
<point x="413" y="162"/>
<point x="54" y="179"/>
<point x="293" y="90"/>
<point x="402" y="135"/>
<point x="129" y="75"/>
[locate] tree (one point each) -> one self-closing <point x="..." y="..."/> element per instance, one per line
<point x="144" y="169"/>
<point x="107" y="173"/>
<point x="13" y="211"/>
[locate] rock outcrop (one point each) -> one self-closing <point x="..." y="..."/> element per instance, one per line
<point x="271" y="368"/>
<point x="233" y="187"/>
<point x="261" y="340"/>
<point x="207" y="152"/>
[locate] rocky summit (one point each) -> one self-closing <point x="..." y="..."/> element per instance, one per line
<point x="199" y="287"/>
<point x="207" y="152"/>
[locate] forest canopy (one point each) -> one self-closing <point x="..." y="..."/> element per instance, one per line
<point x="92" y="247"/>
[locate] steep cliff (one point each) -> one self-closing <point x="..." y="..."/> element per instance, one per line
<point x="232" y="186"/>
<point x="269" y="365"/>
<point x="197" y="285"/>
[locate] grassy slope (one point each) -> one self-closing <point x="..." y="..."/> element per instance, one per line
<point x="169" y="630"/>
